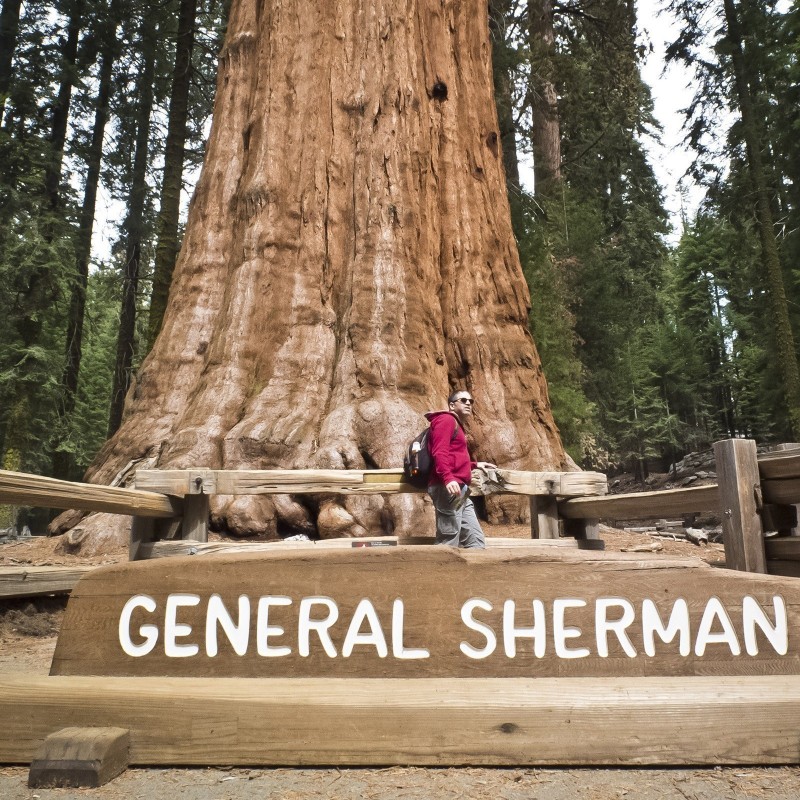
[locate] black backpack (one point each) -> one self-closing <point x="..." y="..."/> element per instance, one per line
<point x="417" y="461"/>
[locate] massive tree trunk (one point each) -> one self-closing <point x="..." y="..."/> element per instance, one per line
<point x="348" y="260"/>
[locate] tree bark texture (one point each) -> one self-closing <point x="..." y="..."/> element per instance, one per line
<point x="348" y="260"/>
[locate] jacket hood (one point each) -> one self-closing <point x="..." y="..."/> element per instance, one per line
<point x="429" y="415"/>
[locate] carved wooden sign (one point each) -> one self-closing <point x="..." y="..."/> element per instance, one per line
<point x="412" y="612"/>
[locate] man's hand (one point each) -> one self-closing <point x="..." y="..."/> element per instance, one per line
<point x="485" y="465"/>
<point x="453" y="488"/>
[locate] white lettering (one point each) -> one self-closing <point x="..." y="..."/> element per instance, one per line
<point x="777" y="634"/>
<point x="173" y="630"/>
<point x="365" y="611"/>
<point x="149" y="632"/>
<point x="398" y="651"/>
<point x="603" y="625"/>
<point x="264" y="630"/>
<point x="537" y="632"/>
<point x="678" y="623"/>
<point x="561" y="632"/>
<point x="474" y="625"/>
<point x="716" y="611"/>
<point x="305" y="624"/>
<point x="238" y="635"/>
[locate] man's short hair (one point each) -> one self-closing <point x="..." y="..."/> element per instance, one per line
<point x="454" y="396"/>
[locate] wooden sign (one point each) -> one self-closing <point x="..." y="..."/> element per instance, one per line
<point x="424" y="612"/>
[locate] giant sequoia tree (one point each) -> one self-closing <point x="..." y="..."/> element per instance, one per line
<point x="348" y="259"/>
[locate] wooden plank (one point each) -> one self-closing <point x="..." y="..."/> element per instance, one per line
<point x="29" y="581"/>
<point x="80" y="757"/>
<point x="387" y="481"/>
<point x="783" y="547"/>
<point x="164" y="549"/>
<point x="544" y="518"/>
<point x="784" y="491"/>
<point x="475" y="721"/>
<point x="20" y="488"/>
<point x="165" y="617"/>
<point x="786" y="569"/>
<point x="783" y="464"/>
<point x="643" y="505"/>
<point x="739" y="487"/>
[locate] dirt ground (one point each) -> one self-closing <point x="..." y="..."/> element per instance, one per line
<point x="28" y="631"/>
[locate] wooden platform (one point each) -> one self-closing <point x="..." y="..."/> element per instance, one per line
<point x="346" y="722"/>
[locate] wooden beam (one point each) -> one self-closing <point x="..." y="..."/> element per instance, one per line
<point x="477" y="721"/>
<point x="184" y="548"/>
<point x="740" y="492"/>
<point x="19" y="488"/>
<point x="386" y="481"/>
<point x="782" y="464"/>
<point x="781" y="491"/>
<point x="80" y="757"/>
<point x="783" y="547"/>
<point x="29" y="581"/>
<point x="642" y="505"/>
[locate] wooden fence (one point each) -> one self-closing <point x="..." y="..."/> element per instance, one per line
<point x="755" y="496"/>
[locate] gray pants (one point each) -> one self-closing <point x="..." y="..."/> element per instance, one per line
<point x="455" y="527"/>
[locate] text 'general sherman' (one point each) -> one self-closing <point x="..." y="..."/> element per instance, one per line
<point x="537" y="627"/>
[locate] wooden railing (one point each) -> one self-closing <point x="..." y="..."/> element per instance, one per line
<point x="754" y="496"/>
<point x="196" y="486"/>
<point x="23" y="489"/>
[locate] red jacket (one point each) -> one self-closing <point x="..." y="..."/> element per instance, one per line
<point x="451" y="460"/>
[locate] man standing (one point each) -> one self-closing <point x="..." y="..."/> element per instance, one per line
<point x="451" y="472"/>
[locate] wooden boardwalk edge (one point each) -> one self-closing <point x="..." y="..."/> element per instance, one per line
<point x="294" y="722"/>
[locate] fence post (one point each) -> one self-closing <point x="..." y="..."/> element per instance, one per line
<point x="544" y="517"/>
<point x="740" y="491"/>
<point x="195" y="517"/>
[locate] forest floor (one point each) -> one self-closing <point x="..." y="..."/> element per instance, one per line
<point x="28" y="632"/>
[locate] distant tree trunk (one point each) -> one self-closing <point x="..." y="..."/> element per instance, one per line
<point x="348" y="260"/>
<point x="62" y="461"/>
<point x="786" y="353"/>
<point x="502" y="80"/>
<point x="9" y="26"/>
<point x="546" y="130"/>
<point x="58" y="134"/>
<point x="169" y="214"/>
<point x="134" y="228"/>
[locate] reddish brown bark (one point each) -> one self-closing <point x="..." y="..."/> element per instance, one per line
<point x="348" y="259"/>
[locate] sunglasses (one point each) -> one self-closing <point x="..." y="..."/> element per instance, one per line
<point x="465" y="400"/>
